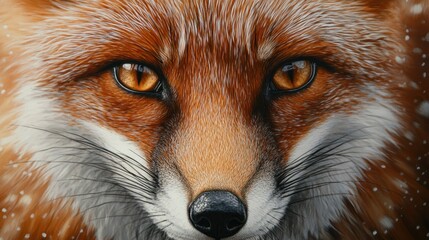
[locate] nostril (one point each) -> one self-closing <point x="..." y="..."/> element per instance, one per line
<point x="234" y="224"/>
<point x="204" y="223"/>
<point x="218" y="214"/>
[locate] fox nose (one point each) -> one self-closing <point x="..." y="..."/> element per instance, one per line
<point x="218" y="214"/>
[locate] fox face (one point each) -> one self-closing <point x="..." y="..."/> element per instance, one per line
<point x="217" y="119"/>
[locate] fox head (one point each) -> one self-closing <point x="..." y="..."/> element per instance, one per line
<point x="210" y="119"/>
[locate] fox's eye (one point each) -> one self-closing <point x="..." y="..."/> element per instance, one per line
<point x="293" y="76"/>
<point x="137" y="78"/>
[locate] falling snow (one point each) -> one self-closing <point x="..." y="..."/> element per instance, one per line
<point x="423" y="109"/>
<point x="417" y="50"/>
<point x="416" y="9"/>
<point x="400" y="60"/>
<point x="386" y="222"/>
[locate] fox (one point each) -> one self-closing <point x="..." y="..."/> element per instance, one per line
<point x="188" y="119"/>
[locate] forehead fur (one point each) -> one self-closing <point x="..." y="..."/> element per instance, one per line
<point x="162" y="32"/>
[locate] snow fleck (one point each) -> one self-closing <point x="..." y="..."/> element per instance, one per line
<point x="414" y="85"/>
<point x="424" y="204"/>
<point x="44" y="235"/>
<point x="374" y="233"/>
<point x="423" y="109"/>
<point x="4" y="210"/>
<point x="18" y="229"/>
<point x="409" y="135"/>
<point x="25" y="200"/>
<point x="21" y="192"/>
<point x="375" y="189"/>
<point x="424" y="75"/>
<point x="400" y="60"/>
<point x="32" y="215"/>
<point x="427" y="37"/>
<point x="400" y="184"/>
<point x="386" y="222"/>
<point x="417" y="50"/>
<point x="418" y="227"/>
<point x="12" y="214"/>
<point x="4" y="216"/>
<point x="27" y="236"/>
<point x="5" y="26"/>
<point x="383" y="166"/>
<point x="407" y="38"/>
<point x="10" y="52"/>
<point x="416" y="9"/>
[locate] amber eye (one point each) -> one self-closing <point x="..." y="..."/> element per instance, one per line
<point x="294" y="76"/>
<point x="137" y="78"/>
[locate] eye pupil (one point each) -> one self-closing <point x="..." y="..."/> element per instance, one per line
<point x="139" y="73"/>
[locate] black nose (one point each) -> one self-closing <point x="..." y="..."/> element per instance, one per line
<point x="218" y="214"/>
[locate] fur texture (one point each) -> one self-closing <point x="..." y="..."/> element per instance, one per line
<point x="346" y="158"/>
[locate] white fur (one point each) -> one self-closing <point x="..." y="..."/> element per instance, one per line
<point x="66" y="163"/>
<point x="173" y="202"/>
<point x="365" y="134"/>
<point x="262" y="203"/>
